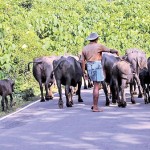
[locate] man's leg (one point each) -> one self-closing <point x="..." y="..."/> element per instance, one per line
<point x="95" y="97"/>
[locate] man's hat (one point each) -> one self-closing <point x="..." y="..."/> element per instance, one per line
<point x="92" y="36"/>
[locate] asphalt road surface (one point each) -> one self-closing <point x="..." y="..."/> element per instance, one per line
<point x="43" y="126"/>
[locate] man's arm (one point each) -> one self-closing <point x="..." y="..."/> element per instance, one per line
<point x="106" y="49"/>
<point x="114" y="51"/>
<point x="83" y="63"/>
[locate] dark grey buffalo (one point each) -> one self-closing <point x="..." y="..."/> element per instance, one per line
<point x="148" y="65"/>
<point x="137" y="59"/>
<point x="122" y="74"/>
<point x="6" y="88"/>
<point x="145" y="81"/>
<point x="144" y="76"/>
<point x="42" y="69"/>
<point x="108" y="60"/>
<point x="89" y="83"/>
<point x="68" y="72"/>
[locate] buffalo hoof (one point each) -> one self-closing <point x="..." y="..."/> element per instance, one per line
<point x="146" y="101"/>
<point x="69" y="105"/>
<point x="90" y="86"/>
<point x="80" y="100"/>
<point x="92" y="107"/>
<point x="114" y="101"/>
<point x="123" y="105"/>
<point x="119" y="104"/>
<point x="107" y="104"/>
<point x="110" y="96"/>
<point x="42" y="100"/>
<point x="85" y="87"/>
<point x="71" y="102"/>
<point x="77" y="93"/>
<point x="60" y="104"/>
<point x="133" y="101"/>
<point x="49" y="98"/>
<point x="134" y="93"/>
<point x="140" y="96"/>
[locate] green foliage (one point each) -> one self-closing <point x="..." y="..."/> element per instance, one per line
<point x="34" y="28"/>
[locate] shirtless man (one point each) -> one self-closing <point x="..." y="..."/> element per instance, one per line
<point x="92" y="54"/>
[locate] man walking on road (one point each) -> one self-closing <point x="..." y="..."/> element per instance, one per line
<point x="92" y="55"/>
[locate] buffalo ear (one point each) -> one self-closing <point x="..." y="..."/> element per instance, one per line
<point x="142" y="63"/>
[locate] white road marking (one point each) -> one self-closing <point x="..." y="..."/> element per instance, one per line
<point x="18" y="110"/>
<point x="21" y="109"/>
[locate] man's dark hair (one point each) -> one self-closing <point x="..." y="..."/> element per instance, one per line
<point x="94" y="40"/>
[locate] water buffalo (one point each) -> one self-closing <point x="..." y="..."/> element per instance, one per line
<point x="137" y="58"/>
<point x="6" y="88"/>
<point x="148" y="65"/>
<point x="108" y="60"/>
<point x="145" y="81"/>
<point x="122" y="73"/>
<point x="68" y="72"/>
<point x="42" y="69"/>
<point x="138" y="61"/>
<point x="144" y="76"/>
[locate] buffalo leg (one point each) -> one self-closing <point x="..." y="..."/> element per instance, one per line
<point x="143" y="84"/>
<point x="2" y="103"/>
<point x="60" y="102"/>
<point x="123" y="98"/>
<point x="6" y="102"/>
<point x="68" y="96"/>
<point x="72" y="91"/>
<point x="145" y="95"/>
<point x="148" y="92"/>
<point x="48" y="90"/>
<point x="106" y="93"/>
<point x="11" y="101"/>
<point x="84" y="81"/>
<point x="139" y="85"/>
<point x="132" y="93"/>
<point x="79" y="92"/>
<point x="115" y="92"/>
<point x="134" y="85"/>
<point x="90" y="84"/>
<point x="46" y="94"/>
<point x="41" y="89"/>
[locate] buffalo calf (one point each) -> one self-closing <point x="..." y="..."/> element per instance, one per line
<point x="145" y="81"/>
<point x="6" y="88"/>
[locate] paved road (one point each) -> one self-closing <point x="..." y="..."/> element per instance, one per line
<point x="43" y="126"/>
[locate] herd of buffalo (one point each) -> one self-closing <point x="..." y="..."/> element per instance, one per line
<point x="132" y="69"/>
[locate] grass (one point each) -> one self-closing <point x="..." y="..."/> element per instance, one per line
<point x="20" y="102"/>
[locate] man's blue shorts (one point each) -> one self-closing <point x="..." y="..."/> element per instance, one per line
<point x="95" y="71"/>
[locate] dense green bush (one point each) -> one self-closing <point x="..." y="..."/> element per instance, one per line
<point x="33" y="28"/>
